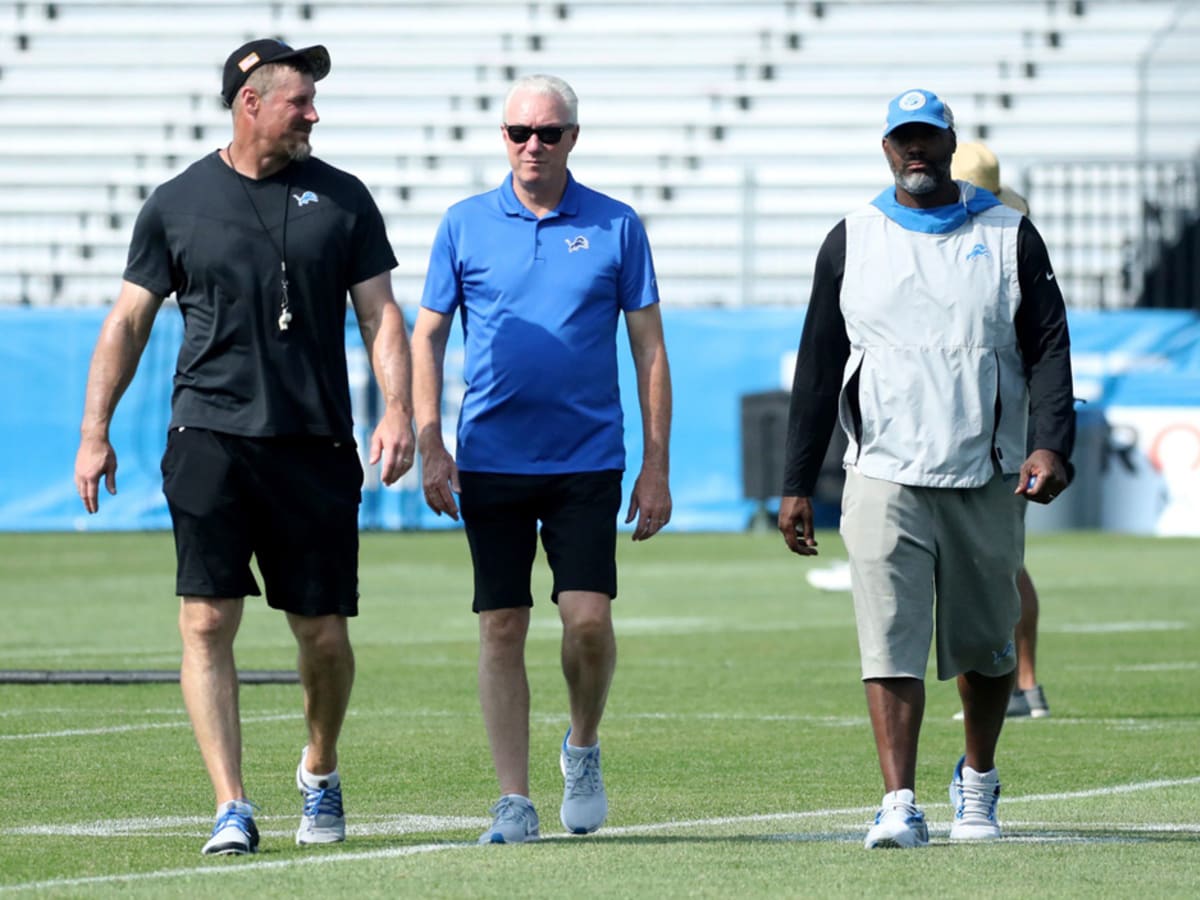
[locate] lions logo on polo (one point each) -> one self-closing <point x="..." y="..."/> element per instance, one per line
<point x="576" y="243"/>
<point x="305" y="198"/>
<point x="912" y="100"/>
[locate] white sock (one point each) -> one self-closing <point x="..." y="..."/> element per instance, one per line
<point x="970" y="774"/>
<point x="317" y="782"/>
<point x="902" y="797"/>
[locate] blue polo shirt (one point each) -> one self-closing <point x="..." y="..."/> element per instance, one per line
<point x="540" y="299"/>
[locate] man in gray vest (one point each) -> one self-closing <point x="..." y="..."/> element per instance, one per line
<point x="936" y="335"/>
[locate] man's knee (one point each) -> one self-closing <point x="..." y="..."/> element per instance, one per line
<point x="504" y="627"/>
<point x="208" y="621"/>
<point x="321" y="637"/>
<point x="587" y="618"/>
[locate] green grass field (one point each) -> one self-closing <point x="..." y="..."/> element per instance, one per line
<point x="738" y="756"/>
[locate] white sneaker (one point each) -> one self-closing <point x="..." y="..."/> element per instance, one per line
<point x="323" y="820"/>
<point x="585" y="803"/>
<point x="898" y="824"/>
<point x="234" y="833"/>
<point x="974" y="797"/>
<point x="835" y="577"/>
<point x="515" y="821"/>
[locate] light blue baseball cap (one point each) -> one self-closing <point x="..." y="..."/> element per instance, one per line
<point x="918" y="106"/>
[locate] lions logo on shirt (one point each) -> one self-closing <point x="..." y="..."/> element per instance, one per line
<point x="576" y="243"/>
<point x="305" y="198"/>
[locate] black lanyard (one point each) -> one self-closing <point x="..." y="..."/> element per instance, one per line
<point x="285" y="311"/>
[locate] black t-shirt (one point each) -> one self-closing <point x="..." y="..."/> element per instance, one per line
<point x="199" y="237"/>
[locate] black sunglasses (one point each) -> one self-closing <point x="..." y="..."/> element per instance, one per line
<point x="547" y="134"/>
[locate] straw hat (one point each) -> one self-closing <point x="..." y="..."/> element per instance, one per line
<point x="975" y="163"/>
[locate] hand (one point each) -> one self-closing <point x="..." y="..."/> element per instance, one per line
<point x="439" y="477"/>
<point x="796" y="525"/>
<point x="650" y="501"/>
<point x="96" y="457"/>
<point x="1043" y="476"/>
<point x="393" y="445"/>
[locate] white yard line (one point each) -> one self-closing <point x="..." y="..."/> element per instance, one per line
<point x="1116" y="627"/>
<point x="827" y="721"/>
<point x="140" y="726"/>
<point x="1056" y="832"/>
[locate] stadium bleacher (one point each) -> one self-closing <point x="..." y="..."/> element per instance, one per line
<point x="741" y="131"/>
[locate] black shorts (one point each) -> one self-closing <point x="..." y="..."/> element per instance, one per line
<point x="292" y="503"/>
<point x="578" y="513"/>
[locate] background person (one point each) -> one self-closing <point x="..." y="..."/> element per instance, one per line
<point x="932" y="342"/>
<point x="541" y="268"/>
<point x="260" y="242"/>
<point x="976" y="163"/>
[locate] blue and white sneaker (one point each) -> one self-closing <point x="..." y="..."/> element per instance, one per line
<point x="515" y="821"/>
<point x="234" y="833"/>
<point x="898" y="824"/>
<point x="323" y="820"/>
<point x="585" y="803"/>
<point x="974" y="797"/>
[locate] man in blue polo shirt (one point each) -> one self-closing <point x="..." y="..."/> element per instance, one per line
<point x="541" y="269"/>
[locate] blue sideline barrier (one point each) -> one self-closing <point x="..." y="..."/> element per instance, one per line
<point x="1139" y="372"/>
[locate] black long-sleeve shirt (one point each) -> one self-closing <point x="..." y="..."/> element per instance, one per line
<point x="1041" y="326"/>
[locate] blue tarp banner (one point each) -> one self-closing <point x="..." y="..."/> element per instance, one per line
<point x="1127" y="363"/>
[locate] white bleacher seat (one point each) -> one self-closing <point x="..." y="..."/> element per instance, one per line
<point x="740" y="131"/>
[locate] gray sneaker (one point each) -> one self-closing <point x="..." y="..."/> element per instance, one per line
<point x="323" y="821"/>
<point x="585" y="803"/>
<point x="515" y="821"/>
<point x="1028" y="704"/>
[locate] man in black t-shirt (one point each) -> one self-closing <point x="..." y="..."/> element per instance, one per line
<point x="260" y="244"/>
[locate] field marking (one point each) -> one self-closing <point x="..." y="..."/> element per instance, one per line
<point x="1117" y="627"/>
<point x="1107" y="791"/>
<point x="141" y="726"/>
<point x="846" y="721"/>
<point x="1159" y="667"/>
<point x="392" y="824"/>
<point x="833" y="721"/>
<point x="1062" y="833"/>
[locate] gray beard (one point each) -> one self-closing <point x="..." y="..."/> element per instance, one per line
<point x="920" y="183"/>
<point x="917" y="183"/>
<point x="300" y="151"/>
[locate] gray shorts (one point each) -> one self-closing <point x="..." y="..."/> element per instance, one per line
<point x="924" y="555"/>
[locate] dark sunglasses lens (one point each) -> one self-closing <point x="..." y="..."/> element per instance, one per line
<point x="519" y="134"/>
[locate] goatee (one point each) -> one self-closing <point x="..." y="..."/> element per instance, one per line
<point x="300" y="151"/>
<point x="917" y="183"/>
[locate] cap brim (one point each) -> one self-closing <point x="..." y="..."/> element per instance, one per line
<point x="317" y="58"/>
<point x="925" y="120"/>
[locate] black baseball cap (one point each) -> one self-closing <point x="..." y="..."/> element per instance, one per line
<point x="248" y="57"/>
